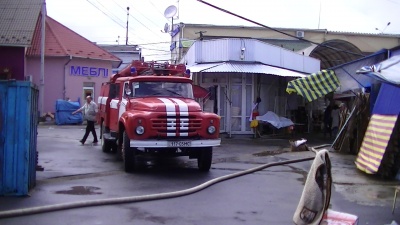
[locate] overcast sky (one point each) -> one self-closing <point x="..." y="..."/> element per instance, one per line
<point x="103" y="21"/>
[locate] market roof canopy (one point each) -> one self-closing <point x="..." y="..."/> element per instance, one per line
<point x="314" y="86"/>
<point x="235" y="67"/>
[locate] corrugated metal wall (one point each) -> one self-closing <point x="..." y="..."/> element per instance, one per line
<point x="249" y="50"/>
<point x="18" y="137"/>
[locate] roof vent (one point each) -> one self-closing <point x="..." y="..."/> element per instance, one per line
<point x="300" y="34"/>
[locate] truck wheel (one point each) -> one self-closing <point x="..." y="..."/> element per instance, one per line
<point x="105" y="144"/>
<point x="204" y="159"/>
<point x="128" y="154"/>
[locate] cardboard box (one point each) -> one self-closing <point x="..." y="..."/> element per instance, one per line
<point x="338" y="218"/>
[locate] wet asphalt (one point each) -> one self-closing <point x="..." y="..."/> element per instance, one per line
<point x="76" y="173"/>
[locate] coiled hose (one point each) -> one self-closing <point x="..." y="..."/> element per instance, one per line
<point x="151" y="197"/>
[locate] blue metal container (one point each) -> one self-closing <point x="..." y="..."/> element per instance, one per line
<point x="18" y="137"/>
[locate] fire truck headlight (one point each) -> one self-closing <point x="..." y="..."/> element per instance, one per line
<point x="140" y="130"/>
<point x="211" y="129"/>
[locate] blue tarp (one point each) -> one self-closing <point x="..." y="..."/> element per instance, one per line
<point x="387" y="102"/>
<point x="64" y="111"/>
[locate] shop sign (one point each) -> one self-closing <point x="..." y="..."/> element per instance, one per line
<point x="175" y="30"/>
<point x="87" y="71"/>
<point x="172" y="46"/>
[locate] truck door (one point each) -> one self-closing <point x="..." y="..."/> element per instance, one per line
<point x="115" y="98"/>
<point x="127" y="92"/>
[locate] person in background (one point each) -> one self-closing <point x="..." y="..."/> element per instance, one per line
<point x="335" y="120"/>
<point x="328" y="121"/>
<point x="89" y="114"/>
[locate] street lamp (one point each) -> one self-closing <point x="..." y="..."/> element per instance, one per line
<point x="383" y="28"/>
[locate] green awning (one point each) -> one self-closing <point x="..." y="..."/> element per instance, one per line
<point x="315" y="85"/>
<point x="186" y="43"/>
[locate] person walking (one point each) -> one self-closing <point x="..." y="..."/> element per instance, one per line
<point x="328" y="121"/>
<point x="89" y="114"/>
<point x="335" y="114"/>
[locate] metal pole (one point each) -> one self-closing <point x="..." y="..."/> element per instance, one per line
<point x="344" y="126"/>
<point x="127" y="22"/>
<point x="42" y="52"/>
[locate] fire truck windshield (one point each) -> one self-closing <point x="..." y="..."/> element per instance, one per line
<point x="165" y="89"/>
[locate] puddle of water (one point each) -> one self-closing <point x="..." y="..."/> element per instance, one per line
<point x="81" y="190"/>
<point x="276" y="152"/>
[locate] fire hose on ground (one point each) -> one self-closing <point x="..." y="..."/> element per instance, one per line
<point x="142" y="198"/>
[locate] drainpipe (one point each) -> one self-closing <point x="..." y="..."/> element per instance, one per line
<point x="65" y="76"/>
<point x="42" y="53"/>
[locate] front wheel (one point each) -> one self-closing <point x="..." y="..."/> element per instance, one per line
<point x="106" y="145"/>
<point x="204" y="159"/>
<point x="128" y="154"/>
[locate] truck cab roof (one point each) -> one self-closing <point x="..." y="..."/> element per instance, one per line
<point x="155" y="79"/>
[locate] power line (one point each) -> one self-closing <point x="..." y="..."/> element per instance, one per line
<point x="276" y="30"/>
<point x="137" y="12"/>
<point x="138" y="20"/>
<point x="123" y="26"/>
<point x="153" y="49"/>
<point x="151" y="2"/>
<point x="105" y="13"/>
<point x="163" y="54"/>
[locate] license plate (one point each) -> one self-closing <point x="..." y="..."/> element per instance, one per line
<point x="179" y="144"/>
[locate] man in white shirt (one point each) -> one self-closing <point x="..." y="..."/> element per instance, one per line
<point x="89" y="114"/>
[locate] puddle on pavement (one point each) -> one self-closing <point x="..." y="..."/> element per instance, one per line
<point x="81" y="190"/>
<point x="276" y="152"/>
<point x="371" y="195"/>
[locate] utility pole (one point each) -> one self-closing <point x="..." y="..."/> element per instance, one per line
<point x="127" y="23"/>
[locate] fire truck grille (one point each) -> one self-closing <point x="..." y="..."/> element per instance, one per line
<point x="182" y="126"/>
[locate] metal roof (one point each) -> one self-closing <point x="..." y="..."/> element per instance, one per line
<point x="62" y="41"/>
<point x="17" y="21"/>
<point x="236" y="67"/>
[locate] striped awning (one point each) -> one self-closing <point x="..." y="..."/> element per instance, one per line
<point x="315" y="85"/>
<point x="375" y="142"/>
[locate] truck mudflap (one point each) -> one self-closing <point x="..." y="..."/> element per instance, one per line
<point x="174" y="144"/>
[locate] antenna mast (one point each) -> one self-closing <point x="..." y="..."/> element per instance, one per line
<point x="127" y="22"/>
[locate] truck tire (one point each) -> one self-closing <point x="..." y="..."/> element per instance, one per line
<point x="128" y="154"/>
<point x="106" y="145"/>
<point x="204" y="159"/>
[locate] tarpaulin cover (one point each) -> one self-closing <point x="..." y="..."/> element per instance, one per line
<point x="387" y="102"/>
<point x="387" y="70"/>
<point x="64" y="111"/>
<point x="314" y="86"/>
<point x="347" y="73"/>
<point x="375" y="142"/>
<point x="275" y="120"/>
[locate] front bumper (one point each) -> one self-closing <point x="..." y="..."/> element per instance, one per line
<point x="169" y="144"/>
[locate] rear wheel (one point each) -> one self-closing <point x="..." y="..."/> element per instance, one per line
<point x="204" y="159"/>
<point x="106" y="145"/>
<point x="128" y="154"/>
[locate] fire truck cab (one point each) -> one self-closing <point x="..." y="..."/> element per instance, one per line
<point x="149" y="108"/>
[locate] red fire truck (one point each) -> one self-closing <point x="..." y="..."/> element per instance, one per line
<point x="149" y="108"/>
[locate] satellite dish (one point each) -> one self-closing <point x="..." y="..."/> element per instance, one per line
<point x="170" y="11"/>
<point x="166" y="28"/>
